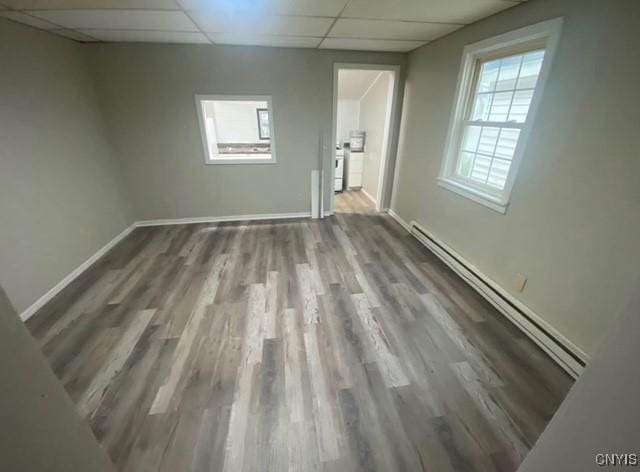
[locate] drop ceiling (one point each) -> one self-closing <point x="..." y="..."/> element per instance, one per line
<point x="376" y="25"/>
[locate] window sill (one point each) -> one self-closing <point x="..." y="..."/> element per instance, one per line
<point x="241" y="159"/>
<point x="490" y="201"/>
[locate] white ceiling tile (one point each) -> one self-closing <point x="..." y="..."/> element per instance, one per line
<point x="385" y="29"/>
<point x="224" y="22"/>
<point x="132" y="36"/>
<point x="27" y="20"/>
<point x="307" y="7"/>
<point x="449" y="11"/>
<point x="270" y="7"/>
<point x="75" y="35"/>
<point x="85" y="4"/>
<point x="119" y="19"/>
<point x="385" y="25"/>
<point x="370" y="44"/>
<point x="387" y="9"/>
<point x="265" y="40"/>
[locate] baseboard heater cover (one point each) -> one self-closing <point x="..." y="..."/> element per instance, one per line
<point x="568" y="356"/>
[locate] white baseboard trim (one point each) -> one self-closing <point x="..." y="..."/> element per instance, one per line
<point x="31" y="310"/>
<point x="366" y="194"/>
<point x="566" y="354"/>
<point x="216" y="219"/>
<point x="399" y="220"/>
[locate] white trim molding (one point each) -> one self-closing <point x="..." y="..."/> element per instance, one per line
<point x="544" y="35"/>
<point x="566" y="354"/>
<point x="55" y="290"/>
<point x="399" y="220"/>
<point x="477" y="196"/>
<point x="366" y="194"/>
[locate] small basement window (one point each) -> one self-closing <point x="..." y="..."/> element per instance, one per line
<point x="236" y="129"/>
<point x="500" y="85"/>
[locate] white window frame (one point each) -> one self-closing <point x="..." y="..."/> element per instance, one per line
<point x="208" y="158"/>
<point x="544" y="35"/>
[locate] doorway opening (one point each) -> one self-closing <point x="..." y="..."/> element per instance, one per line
<point x="364" y="104"/>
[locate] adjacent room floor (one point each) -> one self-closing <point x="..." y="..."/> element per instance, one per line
<point x="354" y="201"/>
<point x="338" y="344"/>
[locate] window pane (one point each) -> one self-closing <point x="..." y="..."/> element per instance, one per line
<point x="465" y="163"/>
<point x="488" y="76"/>
<point x="500" y="106"/>
<point x="481" y="107"/>
<point x="495" y="150"/>
<point x="498" y="174"/>
<point x="520" y="105"/>
<point x="531" y="65"/>
<point x="508" y="75"/>
<point x="519" y="73"/>
<point x="471" y="138"/>
<point x="507" y="143"/>
<point x="488" y="139"/>
<point x="480" y="169"/>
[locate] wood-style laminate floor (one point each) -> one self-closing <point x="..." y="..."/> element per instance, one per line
<point x="336" y="345"/>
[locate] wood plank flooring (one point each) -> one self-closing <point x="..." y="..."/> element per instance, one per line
<point x="309" y="345"/>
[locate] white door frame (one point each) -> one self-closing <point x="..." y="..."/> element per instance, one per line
<point x="390" y="125"/>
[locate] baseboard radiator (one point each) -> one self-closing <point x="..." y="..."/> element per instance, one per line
<point x="564" y="353"/>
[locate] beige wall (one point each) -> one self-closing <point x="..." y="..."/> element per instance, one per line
<point x="147" y="92"/>
<point x="373" y="112"/>
<point x="40" y="430"/>
<point x="573" y="223"/>
<point x="60" y="199"/>
<point x="67" y="109"/>
<point x="600" y="414"/>
<point x="347" y="118"/>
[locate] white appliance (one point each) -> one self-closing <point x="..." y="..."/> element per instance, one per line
<point x="356" y="140"/>
<point x="338" y="183"/>
<point x="354" y="162"/>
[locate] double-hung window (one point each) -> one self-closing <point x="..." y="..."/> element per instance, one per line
<point x="501" y="80"/>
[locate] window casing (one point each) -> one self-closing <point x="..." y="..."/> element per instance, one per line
<point x="499" y="88"/>
<point x="236" y="129"/>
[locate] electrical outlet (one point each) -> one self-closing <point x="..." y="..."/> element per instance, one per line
<point x="519" y="281"/>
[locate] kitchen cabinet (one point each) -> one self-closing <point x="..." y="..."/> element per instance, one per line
<point x="339" y="177"/>
<point x="354" y="163"/>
